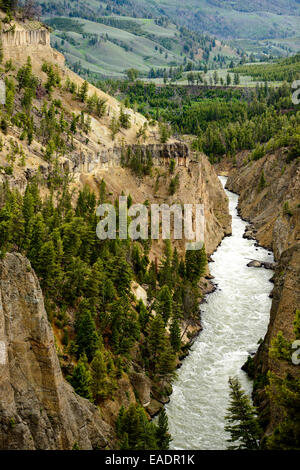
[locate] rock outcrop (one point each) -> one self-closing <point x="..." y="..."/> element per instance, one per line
<point x="269" y="192"/>
<point x="286" y="299"/>
<point x="38" y="408"/>
<point x="273" y="206"/>
<point x="197" y="184"/>
<point x="28" y="38"/>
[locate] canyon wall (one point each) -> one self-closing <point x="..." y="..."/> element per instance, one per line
<point x="286" y="299"/>
<point x="38" y="408"/>
<point x="270" y="200"/>
<point x="19" y="42"/>
<point x="271" y="206"/>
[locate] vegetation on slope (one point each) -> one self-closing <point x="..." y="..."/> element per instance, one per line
<point x="107" y="43"/>
<point x="225" y="120"/>
<point x="101" y="327"/>
<point x="282" y="70"/>
<point x="258" y="20"/>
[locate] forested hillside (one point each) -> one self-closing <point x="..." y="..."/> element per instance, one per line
<point x="224" y="120"/>
<point x="235" y="19"/>
<point x="104" y="39"/>
<point x="101" y="325"/>
<point x="115" y="346"/>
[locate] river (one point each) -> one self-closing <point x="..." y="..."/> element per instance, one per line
<point x="234" y="318"/>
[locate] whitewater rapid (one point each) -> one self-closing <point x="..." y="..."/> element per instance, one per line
<point x="234" y="319"/>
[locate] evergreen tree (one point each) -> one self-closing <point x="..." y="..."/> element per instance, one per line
<point x="83" y="91"/>
<point x="285" y="393"/>
<point x="175" y="335"/>
<point x="166" y="363"/>
<point x="48" y="268"/>
<point x="164" y="304"/>
<point x="162" y="433"/>
<point x="87" y="339"/>
<point x="99" y="382"/>
<point x="195" y="263"/>
<point x="236" y="79"/>
<point x="81" y="379"/>
<point x="143" y="315"/>
<point x="243" y="423"/>
<point x="156" y="338"/>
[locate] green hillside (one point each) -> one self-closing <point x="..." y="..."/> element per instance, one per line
<point x="111" y="45"/>
<point x="259" y="19"/>
<point x="282" y="70"/>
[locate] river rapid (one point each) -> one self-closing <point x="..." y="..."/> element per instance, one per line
<point x="234" y="318"/>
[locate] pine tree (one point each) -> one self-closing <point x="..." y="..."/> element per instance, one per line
<point x="122" y="276"/>
<point x="236" y="79"/>
<point x="87" y="339"/>
<point x="81" y="379"/>
<point x="156" y="338"/>
<point x="196" y="262"/>
<point x="165" y="272"/>
<point x="99" y="382"/>
<point x="175" y="335"/>
<point x="48" y="268"/>
<point x="143" y="314"/>
<point x="162" y="433"/>
<point x="102" y="191"/>
<point x="285" y="393"/>
<point x="164" y="305"/>
<point x="166" y="363"/>
<point x="38" y="238"/>
<point x="243" y="423"/>
<point x="83" y="91"/>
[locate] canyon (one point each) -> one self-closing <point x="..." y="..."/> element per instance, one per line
<point x="274" y="215"/>
<point x="38" y="407"/>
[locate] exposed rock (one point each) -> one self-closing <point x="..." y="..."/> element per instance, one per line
<point x="142" y="385"/>
<point x="154" y="407"/>
<point x="255" y="264"/>
<point x="38" y="408"/>
<point x="261" y="264"/>
<point x="249" y="233"/>
<point x="274" y="211"/>
<point x="286" y="299"/>
<point x="139" y="292"/>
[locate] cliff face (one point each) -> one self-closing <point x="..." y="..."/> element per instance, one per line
<point x="286" y="299"/>
<point x="272" y="208"/>
<point x="270" y="199"/>
<point x="38" y="408"/>
<point x="198" y="184"/>
<point x="31" y="37"/>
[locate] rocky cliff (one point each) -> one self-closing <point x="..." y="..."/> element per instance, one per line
<point x="38" y="408"/>
<point x="270" y="199"/>
<point x="197" y="184"/>
<point x="269" y="192"/>
<point x="28" y="37"/>
<point x="286" y="299"/>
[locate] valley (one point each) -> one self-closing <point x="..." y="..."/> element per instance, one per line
<point x="99" y="336"/>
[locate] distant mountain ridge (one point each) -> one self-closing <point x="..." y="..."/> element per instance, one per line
<point x="259" y="19"/>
